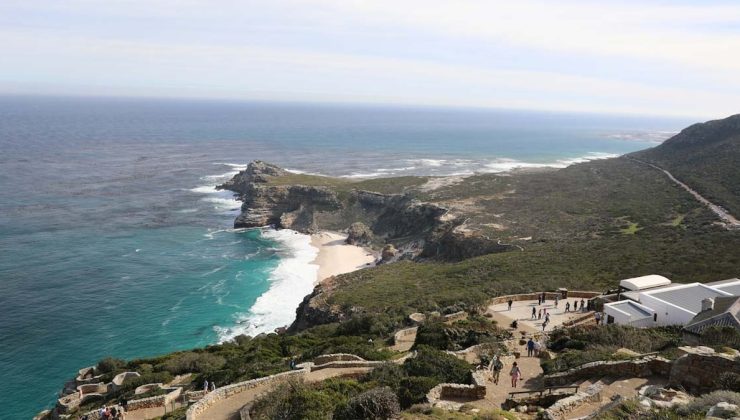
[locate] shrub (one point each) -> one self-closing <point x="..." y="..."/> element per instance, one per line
<point x="293" y="401"/>
<point x="377" y="403"/>
<point x="438" y="365"/>
<point x="150" y="378"/>
<point x="703" y="403"/>
<point x="433" y="333"/>
<point x="414" y="389"/>
<point x="192" y="362"/>
<point x="110" y="365"/>
<point x="387" y="374"/>
<point x="729" y="381"/>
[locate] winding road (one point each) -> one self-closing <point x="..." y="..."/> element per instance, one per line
<point x="728" y="220"/>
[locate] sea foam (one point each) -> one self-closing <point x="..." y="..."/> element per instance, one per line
<point x="290" y="281"/>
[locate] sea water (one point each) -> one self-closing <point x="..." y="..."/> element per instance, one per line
<point x="114" y="241"/>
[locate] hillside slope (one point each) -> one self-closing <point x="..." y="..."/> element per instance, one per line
<point x="706" y="156"/>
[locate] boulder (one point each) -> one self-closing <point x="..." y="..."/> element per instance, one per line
<point x="723" y="410"/>
<point x="388" y="253"/>
<point x="359" y="234"/>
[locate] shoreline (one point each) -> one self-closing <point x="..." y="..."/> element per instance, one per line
<point x="335" y="257"/>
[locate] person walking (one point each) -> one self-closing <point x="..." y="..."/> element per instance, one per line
<point x="567" y="306"/>
<point x="530" y="347"/>
<point x="213" y="386"/>
<point x="575" y="306"/>
<point x="205" y="385"/>
<point x="547" y="318"/>
<point x="534" y="312"/>
<point x="516" y="374"/>
<point x="539" y="314"/>
<point x="539" y="300"/>
<point x="510" y="303"/>
<point x="496" y="367"/>
<point x="583" y="305"/>
<point x="597" y="317"/>
<point x="537" y="348"/>
<point x="556" y="301"/>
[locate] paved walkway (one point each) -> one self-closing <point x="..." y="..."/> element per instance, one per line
<point x="228" y="409"/>
<point x="531" y="379"/>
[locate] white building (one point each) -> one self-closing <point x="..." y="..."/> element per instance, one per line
<point x="653" y="300"/>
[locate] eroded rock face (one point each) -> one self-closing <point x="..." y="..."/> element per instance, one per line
<point x="388" y="254"/>
<point x="359" y="234"/>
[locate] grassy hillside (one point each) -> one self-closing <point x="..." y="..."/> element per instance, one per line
<point x="706" y="157"/>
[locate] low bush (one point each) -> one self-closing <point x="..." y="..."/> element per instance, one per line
<point x="439" y="365"/>
<point x="413" y="390"/>
<point x="729" y="381"/>
<point x="701" y="404"/>
<point x="110" y="365"/>
<point x="377" y="403"/>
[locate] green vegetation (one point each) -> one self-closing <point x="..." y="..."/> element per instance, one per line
<point x="461" y="334"/>
<point x="425" y="412"/>
<point x="379" y="185"/>
<point x="631" y="229"/>
<point x="694" y="410"/>
<point x="704" y="156"/>
<point x="379" y="394"/>
<point x="580" y="345"/>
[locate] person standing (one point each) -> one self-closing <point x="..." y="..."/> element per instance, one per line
<point x="537" y="348"/>
<point x="530" y="347"/>
<point x="496" y="367"/>
<point x="547" y="318"/>
<point x="213" y="386"/>
<point x="539" y="314"/>
<point x="510" y="303"/>
<point x="539" y="299"/>
<point x="583" y="305"/>
<point x="575" y="306"/>
<point x="597" y="317"/>
<point x="516" y="374"/>
<point x="205" y="385"/>
<point x="534" y="312"/>
<point x="556" y="301"/>
<point x="567" y="306"/>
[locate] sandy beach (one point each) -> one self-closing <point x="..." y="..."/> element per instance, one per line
<point x="335" y="257"/>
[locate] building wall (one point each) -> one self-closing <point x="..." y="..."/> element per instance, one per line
<point x="667" y="314"/>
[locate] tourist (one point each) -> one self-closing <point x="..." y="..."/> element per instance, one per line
<point x="537" y="348"/>
<point x="544" y="297"/>
<point x="575" y="306"/>
<point x="510" y="303"/>
<point x="516" y="374"/>
<point x="534" y="312"/>
<point x="496" y="367"/>
<point x="583" y="306"/>
<point x="530" y="347"/>
<point x="567" y="306"/>
<point x="205" y="385"/>
<point x="556" y="301"/>
<point x="597" y="317"/>
<point x="113" y="413"/>
<point x="213" y="386"/>
<point x="544" y="325"/>
<point x="547" y="318"/>
<point x="539" y="300"/>
<point x="539" y="315"/>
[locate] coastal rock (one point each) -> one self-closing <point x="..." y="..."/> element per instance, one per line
<point x="388" y="253"/>
<point x="723" y="410"/>
<point x="359" y="234"/>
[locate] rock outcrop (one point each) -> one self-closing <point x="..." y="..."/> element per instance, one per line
<point x="359" y="234"/>
<point x="283" y="206"/>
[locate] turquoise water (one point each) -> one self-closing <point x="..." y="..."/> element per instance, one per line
<point x="113" y="242"/>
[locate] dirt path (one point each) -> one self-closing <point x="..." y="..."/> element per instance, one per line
<point x="728" y="220"/>
<point x="228" y="409"/>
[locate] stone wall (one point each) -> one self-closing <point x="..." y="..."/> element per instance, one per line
<point x="347" y="364"/>
<point x="457" y="316"/>
<point x="640" y="368"/>
<point x="698" y="369"/>
<point x="227" y="391"/>
<point x="562" y="407"/>
<point x="336" y="357"/>
<point x="400" y="335"/>
<point x="475" y="391"/>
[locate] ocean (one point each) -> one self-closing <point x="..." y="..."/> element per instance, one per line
<point x="114" y="242"/>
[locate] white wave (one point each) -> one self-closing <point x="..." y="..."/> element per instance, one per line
<point x="205" y="189"/>
<point x="290" y="281"/>
<point x="428" y="162"/>
<point x="364" y="175"/>
<point x="222" y="203"/>
<point x="505" y="165"/>
<point x="220" y="176"/>
<point x="237" y="166"/>
<point x="300" y="172"/>
<point x="646" y="136"/>
<point x="405" y="168"/>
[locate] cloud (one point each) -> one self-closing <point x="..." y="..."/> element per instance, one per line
<point x="587" y="56"/>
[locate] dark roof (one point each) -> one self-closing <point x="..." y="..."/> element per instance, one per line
<point x="726" y="312"/>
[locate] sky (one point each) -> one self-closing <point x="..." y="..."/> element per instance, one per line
<point x="679" y="58"/>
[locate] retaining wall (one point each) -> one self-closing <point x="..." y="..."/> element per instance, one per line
<point x="562" y="407"/>
<point x="227" y="391"/>
<point x="457" y="316"/>
<point x="336" y="357"/>
<point x="475" y="391"/>
<point x="698" y="369"/>
<point x="640" y="368"/>
<point x="401" y="334"/>
<point x="347" y="364"/>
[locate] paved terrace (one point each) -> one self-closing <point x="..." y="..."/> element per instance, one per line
<point x="522" y="312"/>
